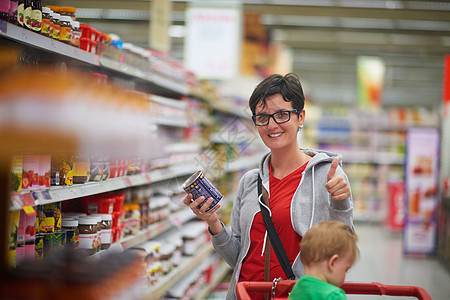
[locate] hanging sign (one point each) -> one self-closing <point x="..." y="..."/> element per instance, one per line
<point x="212" y="42"/>
<point x="370" y="72"/>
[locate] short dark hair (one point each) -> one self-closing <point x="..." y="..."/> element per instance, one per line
<point x="288" y="86"/>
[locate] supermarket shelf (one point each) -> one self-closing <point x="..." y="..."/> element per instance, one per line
<point x="38" y="41"/>
<point x="169" y="86"/>
<point x="364" y="157"/>
<point x="231" y="109"/>
<point x="222" y="270"/>
<point x="167" y="121"/>
<point x="175" y="219"/>
<point x="57" y="194"/>
<point x="243" y="163"/>
<point x="177" y="273"/>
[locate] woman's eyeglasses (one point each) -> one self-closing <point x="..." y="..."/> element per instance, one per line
<point x="279" y="117"/>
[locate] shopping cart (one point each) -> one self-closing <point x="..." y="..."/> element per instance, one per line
<point x="375" y="288"/>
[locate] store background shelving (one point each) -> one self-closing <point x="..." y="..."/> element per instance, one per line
<point x="183" y="129"/>
<point x="372" y="145"/>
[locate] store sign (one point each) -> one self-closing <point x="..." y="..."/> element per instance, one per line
<point x="212" y="42"/>
<point x="370" y="72"/>
<point x="422" y="181"/>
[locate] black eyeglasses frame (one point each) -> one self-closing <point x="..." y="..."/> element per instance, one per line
<point x="295" y="111"/>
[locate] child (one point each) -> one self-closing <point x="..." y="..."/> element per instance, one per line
<point x="327" y="251"/>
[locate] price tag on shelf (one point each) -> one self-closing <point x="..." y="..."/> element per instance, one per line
<point x="46" y="195"/>
<point x="147" y="177"/>
<point x="128" y="182"/>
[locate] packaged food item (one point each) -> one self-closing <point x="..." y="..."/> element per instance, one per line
<point x="56" y="26"/>
<point x="99" y="204"/>
<point x="65" y="29"/>
<point x="48" y="244"/>
<point x="46" y="218"/>
<point x="72" y="233"/>
<point x="13" y="11"/>
<point x="36" y="15"/>
<point x="29" y="229"/>
<point x="12" y="237"/>
<point x="30" y="250"/>
<point x="20" y="10"/>
<point x="198" y="185"/>
<point x="59" y="239"/>
<point x="81" y="168"/>
<point x="39" y="247"/>
<point x="61" y="169"/>
<point x="44" y="171"/>
<point x="30" y="171"/>
<point x="27" y="9"/>
<point x="16" y="173"/>
<point x="106" y="230"/>
<point x="76" y="34"/>
<point x="88" y="235"/>
<point x="46" y="19"/>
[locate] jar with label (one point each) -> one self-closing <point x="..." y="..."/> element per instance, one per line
<point x="166" y="255"/>
<point x="70" y="227"/>
<point x="76" y="34"/>
<point x="27" y="9"/>
<point x="56" y="26"/>
<point x="81" y="168"/>
<point x="106" y="228"/>
<point x="36" y="15"/>
<point x="20" y="10"/>
<point x="65" y="29"/>
<point x="68" y="11"/>
<point x="88" y="235"/>
<point x="13" y="11"/>
<point x="46" y="19"/>
<point x="99" y="230"/>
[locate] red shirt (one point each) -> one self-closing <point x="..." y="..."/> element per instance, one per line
<point x="281" y="193"/>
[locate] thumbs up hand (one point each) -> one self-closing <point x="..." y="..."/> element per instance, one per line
<point x="336" y="184"/>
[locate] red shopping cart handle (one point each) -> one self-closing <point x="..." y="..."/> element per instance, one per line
<point x="374" y="288"/>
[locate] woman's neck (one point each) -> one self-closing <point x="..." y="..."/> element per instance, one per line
<point x="284" y="162"/>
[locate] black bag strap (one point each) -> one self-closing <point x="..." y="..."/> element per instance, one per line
<point x="274" y="238"/>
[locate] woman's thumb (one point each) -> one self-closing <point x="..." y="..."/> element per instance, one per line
<point x="333" y="167"/>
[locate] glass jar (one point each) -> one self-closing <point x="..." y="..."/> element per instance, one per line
<point x="76" y="34"/>
<point x="46" y="19"/>
<point x="88" y="235"/>
<point x="65" y="31"/>
<point x="56" y="26"/>
<point x="70" y="228"/>
<point x="106" y="230"/>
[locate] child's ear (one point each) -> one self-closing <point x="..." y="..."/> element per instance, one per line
<point x="331" y="262"/>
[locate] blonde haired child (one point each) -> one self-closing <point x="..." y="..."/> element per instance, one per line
<point x="328" y="250"/>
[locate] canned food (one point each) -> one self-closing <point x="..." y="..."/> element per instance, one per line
<point x="198" y="185"/>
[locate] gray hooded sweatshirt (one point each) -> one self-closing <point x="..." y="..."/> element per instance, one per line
<point x="311" y="204"/>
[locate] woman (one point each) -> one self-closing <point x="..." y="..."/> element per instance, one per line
<point x="305" y="186"/>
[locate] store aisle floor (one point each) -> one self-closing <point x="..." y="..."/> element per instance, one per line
<point x="382" y="261"/>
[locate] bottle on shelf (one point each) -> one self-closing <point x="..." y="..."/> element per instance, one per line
<point x="46" y="19"/>
<point x="13" y="11"/>
<point x="20" y="11"/>
<point x="36" y="15"/>
<point x="27" y="9"/>
<point x="4" y="10"/>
